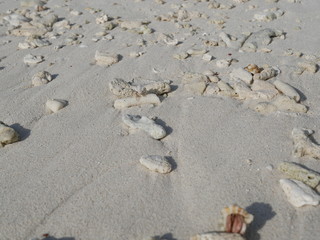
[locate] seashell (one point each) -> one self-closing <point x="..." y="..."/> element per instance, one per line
<point x="253" y="68"/>
<point x="287" y="90"/>
<point x="7" y="135"/>
<point x="284" y="103"/>
<point x="298" y="193"/>
<point x="156" y="163"/>
<point x="302" y="144"/>
<point x="235" y="219"/>
<point x="143" y="123"/>
<point x="217" y="236"/>
<point x="54" y="105"/>
<point x="102" y="19"/>
<point x="41" y="78"/>
<point x="31" y="59"/>
<point x="265" y="74"/>
<point x="297" y="172"/>
<point x="240" y="73"/>
<point x="136" y="101"/>
<point x="106" y="59"/>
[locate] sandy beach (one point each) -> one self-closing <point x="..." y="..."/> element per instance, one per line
<point x="240" y="76"/>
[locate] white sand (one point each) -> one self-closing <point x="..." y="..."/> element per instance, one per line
<point x="76" y="173"/>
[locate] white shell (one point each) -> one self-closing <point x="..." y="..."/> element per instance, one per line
<point x="242" y="74"/>
<point x="55" y="105"/>
<point x="298" y="193"/>
<point x="31" y="59"/>
<point x="149" y="126"/>
<point x="156" y="163"/>
<point x="7" y="134"/>
<point x="41" y="78"/>
<point x="136" y="101"/>
<point x="287" y="90"/>
<point x="106" y="59"/>
<point x="217" y="236"/>
<point x="303" y="146"/>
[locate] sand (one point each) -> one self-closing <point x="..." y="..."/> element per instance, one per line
<point x="75" y="174"/>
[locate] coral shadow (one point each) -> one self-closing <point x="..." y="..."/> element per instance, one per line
<point x="167" y="236"/>
<point x="262" y="213"/>
<point x="54" y="76"/>
<point x="164" y="125"/>
<point x="23" y="132"/>
<point x="1" y="68"/>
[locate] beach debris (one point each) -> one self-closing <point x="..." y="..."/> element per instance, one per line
<point x="265" y="73"/>
<point x="307" y="66"/>
<point x="264" y="90"/>
<point x="54" y="105"/>
<point x="148" y="125"/>
<point x="287" y="90"/>
<point x="7" y="135"/>
<point x="303" y="146"/>
<point x="217" y="236"/>
<point x="268" y="15"/>
<point x="298" y="193"/>
<point x="300" y="173"/>
<point x="223" y="63"/>
<point x="168" y="39"/>
<point x="235" y="219"/>
<point x="15" y="20"/>
<point x="253" y="68"/>
<point x="102" y="19"/>
<point x="41" y="78"/>
<point x="181" y="56"/>
<point x="242" y="74"/>
<point x="156" y="163"/>
<point x="121" y="88"/>
<point x="106" y="59"/>
<point x="136" y="101"/>
<point x="31" y="59"/>
<point x="207" y="57"/>
<point x="259" y="39"/>
<point x="234" y="43"/>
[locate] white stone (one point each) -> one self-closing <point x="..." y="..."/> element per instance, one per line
<point x="298" y="193"/>
<point x="41" y="78"/>
<point x="143" y="123"/>
<point x="156" y="163"/>
<point x="55" y="105"/>
<point x="287" y="90"/>
<point x="106" y="59"/>
<point x="207" y="57"/>
<point x="223" y="63"/>
<point x="136" y="101"/>
<point x="7" y="135"/>
<point x="31" y="59"/>
<point x="242" y="74"/>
